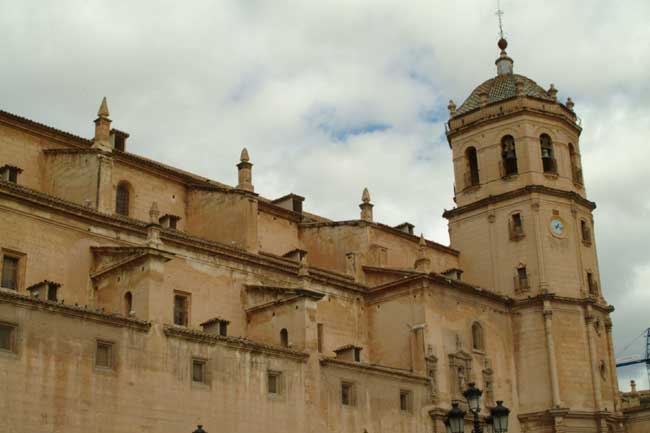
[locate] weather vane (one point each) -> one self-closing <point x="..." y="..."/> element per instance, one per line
<point x="499" y="13"/>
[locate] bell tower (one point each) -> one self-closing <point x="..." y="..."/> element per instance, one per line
<point x="523" y="225"/>
<point x="523" y="220"/>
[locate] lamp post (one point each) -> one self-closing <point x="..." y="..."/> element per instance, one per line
<point x="473" y="396"/>
<point x="497" y="422"/>
<point x="199" y="429"/>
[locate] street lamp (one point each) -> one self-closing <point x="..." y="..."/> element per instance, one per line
<point x="455" y="419"/>
<point x="473" y="397"/>
<point x="500" y="417"/>
<point x="199" y="429"/>
<point x="497" y="422"/>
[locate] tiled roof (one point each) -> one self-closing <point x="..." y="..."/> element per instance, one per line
<point x="500" y="88"/>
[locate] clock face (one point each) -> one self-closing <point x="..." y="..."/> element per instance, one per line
<point x="557" y="227"/>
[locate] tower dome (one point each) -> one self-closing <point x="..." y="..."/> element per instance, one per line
<point x="504" y="86"/>
<point x="500" y="88"/>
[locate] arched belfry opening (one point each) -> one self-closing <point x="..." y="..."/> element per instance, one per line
<point x="471" y="162"/>
<point x="284" y="338"/>
<point x="508" y="156"/>
<point x="548" y="156"/>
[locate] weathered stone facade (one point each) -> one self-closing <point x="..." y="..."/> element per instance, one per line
<point x="149" y="299"/>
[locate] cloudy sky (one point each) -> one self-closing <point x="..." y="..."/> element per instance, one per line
<point x="330" y="97"/>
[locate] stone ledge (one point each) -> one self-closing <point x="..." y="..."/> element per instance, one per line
<point x="233" y="342"/>
<point x="375" y="369"/>
<point x="73" y="311"/>
<point x="448" y="214"/>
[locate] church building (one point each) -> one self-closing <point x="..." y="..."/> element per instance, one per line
<point x="138" y="297"/>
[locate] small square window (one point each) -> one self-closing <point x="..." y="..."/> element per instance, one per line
<point x="104" y="354"/>
<point x="273" y="381"/>
<point x="52" y="291"/>
<point x="223" y="328"/>
<point x="347" y="394"/>
<point x="405" y="401"/>
<point x="199" y="371"/>
<point x="7" y="337"/>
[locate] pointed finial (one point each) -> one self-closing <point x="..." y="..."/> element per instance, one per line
<point x="244" y="155"/>
<point x="451" y="107"/>
<point x="365" y="196"/>
<point x="366" y="206"/>
<point x="569" y="104"/>
<point x="154" y="213"/>
<point x="552" y="92"/>
<point x="422" y="262"/>
<point x="103" y="109"/>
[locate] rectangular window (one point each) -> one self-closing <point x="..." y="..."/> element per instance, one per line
<point x="319" y="332"/>
<point x="10" y="272"/>
<point x="521" y="280"/>
<point x="199" y="371"/>
<point x="223" y="328"/>
<point x="591" y="284"/>
<point x="52" y="290"/>
<point x="181" y="309"/>
<point x="347" y="394"/>
<point x="273" y="383"/>
<point x="7" y="337"/>
<point x="357" y="354"/>
<point x="104" y="354"/>
<point x="405" y="401"/>
<point x="516" y="227"/>
<point x="586" y="233"/>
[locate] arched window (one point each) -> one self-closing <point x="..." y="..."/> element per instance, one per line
<point x="508" y="156"/>
<point x="477" y="337"/>
<point x="284" y="338"/>
<point x="576" y="172"/>
<point x="122" y="199"/>
<point x="128" y="303"/>
<point x="471" y="175"/>
<point x="548" y="158"/>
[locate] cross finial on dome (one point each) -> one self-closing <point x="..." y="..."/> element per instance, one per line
<point x="504" y="63"/>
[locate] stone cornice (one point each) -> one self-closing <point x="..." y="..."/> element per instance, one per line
<point x="134" y="254"/>
<point x="33" y="127"/>
<point x="541" y="189"/>
<point x="539" y="300"/>
<point x="443" y="281"/>
<point x="77" y="312"/>
<point x="375" y="369"/>
<point x="297" y="291"/>
<point x="394" y="271"/>
<point x="569" y="414"/>
<point x="233" y="342"/>
<point x="383" y="227"/>
<point x="514" y="106"/>
<point x="74" y="150"/>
